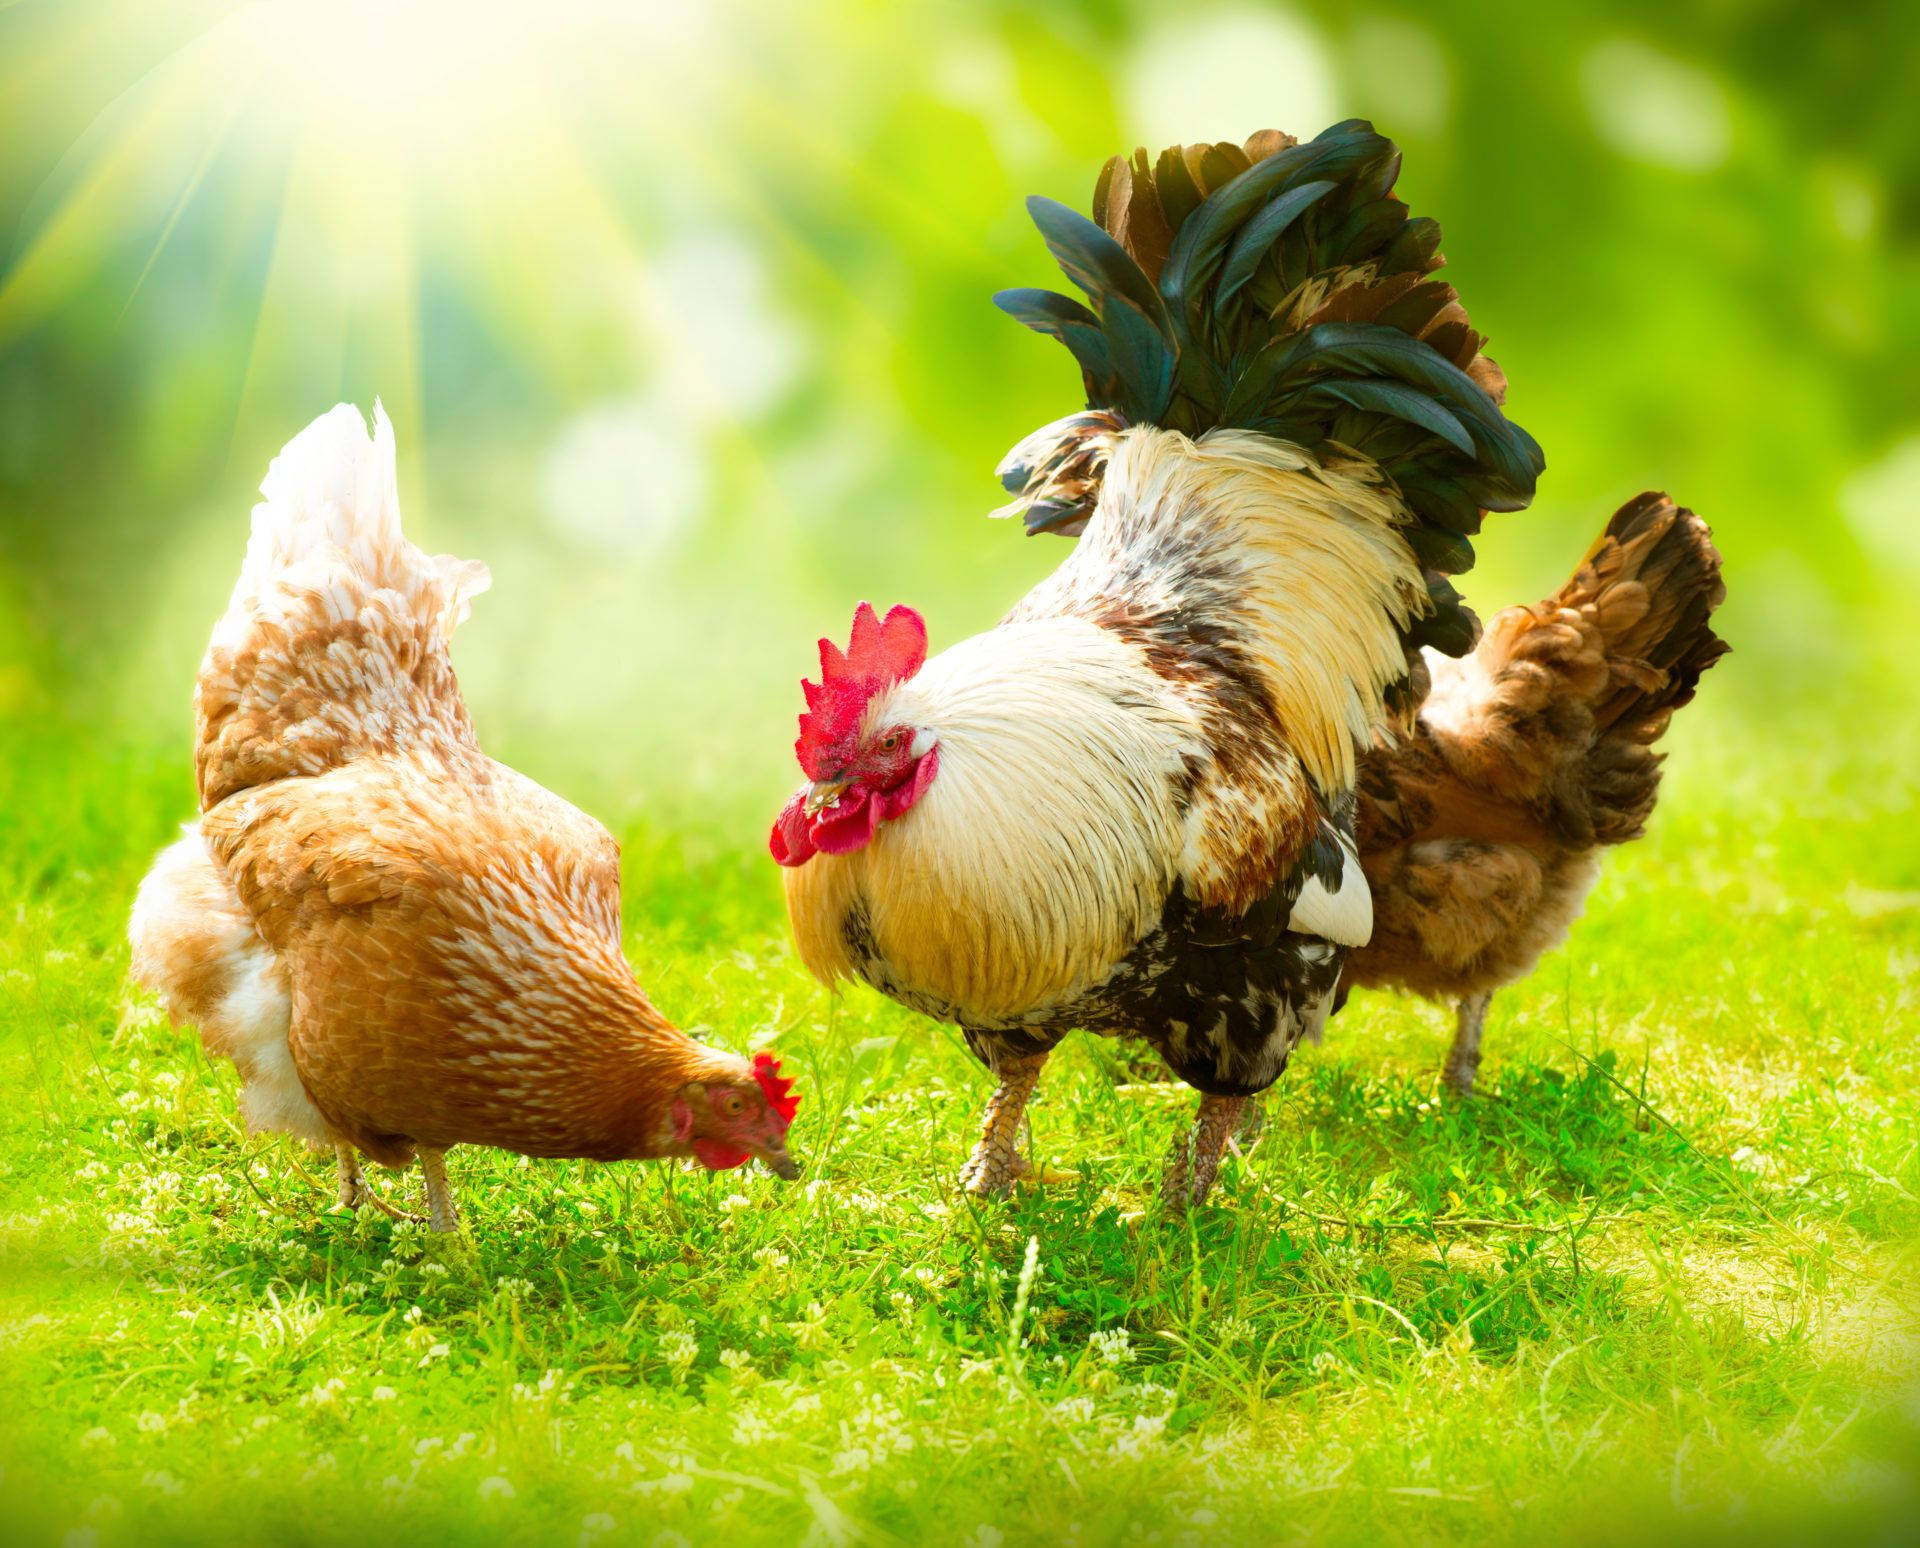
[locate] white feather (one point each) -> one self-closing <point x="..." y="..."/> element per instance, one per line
<point x="1345" y="916"/>
<point x="330" y="523"/>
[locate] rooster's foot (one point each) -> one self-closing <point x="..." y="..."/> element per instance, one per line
<point x="996" y="1161"/>
<point x="988" y="1175"/>
<point x="1195" y="1160"/>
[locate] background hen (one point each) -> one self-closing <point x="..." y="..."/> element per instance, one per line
<point x="403" y="945"/>
<point x="1481" y="831"/>
<point x="1128" y="808"/>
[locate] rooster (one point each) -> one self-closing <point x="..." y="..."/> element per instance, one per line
<point x="1129" y="807"/>
<point x="403" y="945"/>
<point x="1481" y="832"/>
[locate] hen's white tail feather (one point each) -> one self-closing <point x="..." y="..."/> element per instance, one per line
<point x="331" y="517"/>
<point x="334" y="643"/>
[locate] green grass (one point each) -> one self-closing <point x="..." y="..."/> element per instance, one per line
<point x="1657" y="1284"/>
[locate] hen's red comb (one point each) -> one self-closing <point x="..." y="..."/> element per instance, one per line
<point x="780" y="1093"/>
<point x="880" y="654"/>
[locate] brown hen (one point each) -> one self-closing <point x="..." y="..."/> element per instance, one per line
<point x="1481" y="831"/>
<point x="403" y="945"/>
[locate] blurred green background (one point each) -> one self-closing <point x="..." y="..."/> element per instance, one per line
<point x="682" y="315"/>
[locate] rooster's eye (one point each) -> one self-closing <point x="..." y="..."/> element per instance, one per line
<point x="890" y="741"/>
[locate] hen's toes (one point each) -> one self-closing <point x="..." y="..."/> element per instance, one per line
<point x="353" y="1187"/>
<point x="443" y="1215"/>
<point x="1463" y="1058"/>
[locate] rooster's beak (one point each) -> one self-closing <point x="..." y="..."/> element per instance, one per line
<point x="823" y="793"/>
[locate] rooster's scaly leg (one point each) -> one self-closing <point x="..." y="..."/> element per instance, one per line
<point x="996" y="1161"/>
<point x="1463" y="1059"/>
<point x="1196" y="1154"/>
<point x="442" y="1214"/>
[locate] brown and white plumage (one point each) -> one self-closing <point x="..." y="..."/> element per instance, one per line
<point x="1482" y="831"/>
<point x="1128" y="808"/>
<point x="402" y="944"/>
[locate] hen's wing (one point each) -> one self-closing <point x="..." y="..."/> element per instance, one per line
<point x="452" y="942"/>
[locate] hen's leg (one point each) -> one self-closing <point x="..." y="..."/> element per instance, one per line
<point x="996" y="1161"/>
<point x="1196" y="1154"/>
<point x="442" y="1215"/>
<point x="1463" y="1059"/>
<point x="353" y="1187"/>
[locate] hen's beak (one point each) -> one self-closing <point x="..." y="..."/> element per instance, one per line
<point x="779" y="1162"/>
<point x="823" y="793"/>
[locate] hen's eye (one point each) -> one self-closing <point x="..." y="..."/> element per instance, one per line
<point x="890" y="741"/>
<point x="729" y="1104"/>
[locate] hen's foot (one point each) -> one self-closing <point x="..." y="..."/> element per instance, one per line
<point x="356" y="1191"/>
<point x="1195" y="1160"/>
<point x="353" y="1186"/>
<point x="1463" y="1058"/>
<point x="443" y="1215"/>
<point x="996" y="1161"/>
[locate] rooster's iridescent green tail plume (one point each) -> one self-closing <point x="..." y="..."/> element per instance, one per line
<point x="1277" y="287"/>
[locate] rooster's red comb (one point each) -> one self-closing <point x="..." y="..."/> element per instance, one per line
<point x="881" y="653"/>
<point x="780" y="1093"/>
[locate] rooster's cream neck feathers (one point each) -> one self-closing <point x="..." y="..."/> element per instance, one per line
<point x="1085" y="770"/>
<point x="1303" y="559"/>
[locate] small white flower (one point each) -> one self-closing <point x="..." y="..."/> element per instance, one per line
<point x="736" y="1359"/>
<point x="384" y="1394"/>
<point x="495" y="1488"/>
<point x="1111" y="1346"/>
<point x="97" y="1436"/>
<point x="679" y="1349"/>
<point x="150" y="1423"/>
<point x="163" y="1481"/>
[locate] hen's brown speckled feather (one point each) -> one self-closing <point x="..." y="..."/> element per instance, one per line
<point x="431" y="939"/>
<point x="1480" y="832"/>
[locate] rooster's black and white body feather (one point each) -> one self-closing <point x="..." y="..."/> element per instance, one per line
<point x="1129" y="807"/>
